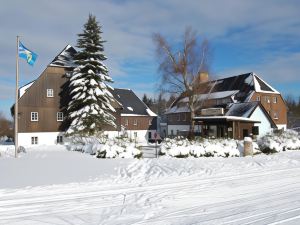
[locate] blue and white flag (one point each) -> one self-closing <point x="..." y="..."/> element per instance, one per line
<point x="26" y="54"/>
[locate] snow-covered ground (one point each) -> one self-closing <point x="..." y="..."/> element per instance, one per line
<point x="56" y="186"/>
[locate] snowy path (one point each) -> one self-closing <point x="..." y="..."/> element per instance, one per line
<point x="259" y="190"/>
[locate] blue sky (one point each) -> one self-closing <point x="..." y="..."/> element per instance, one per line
<point x="258" y="36"/>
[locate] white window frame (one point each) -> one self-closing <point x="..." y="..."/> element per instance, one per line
<point x="50" y="93"/>
<point x="34" y="140"/>
<point x="275" y="100"/>
<point x="59" y="116"/>
<point x="126" y="122"/>
<point x="150" y="122"/>
<point x="34" y="116"/>
<point x="135" y="122"/>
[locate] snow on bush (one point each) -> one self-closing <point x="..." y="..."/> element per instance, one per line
<point x="103" y="147"/>
<point x="279" y="141"/>
<point x="180" y="148"/>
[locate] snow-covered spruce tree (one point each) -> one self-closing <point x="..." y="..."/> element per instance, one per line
<point x="90" y="109"/>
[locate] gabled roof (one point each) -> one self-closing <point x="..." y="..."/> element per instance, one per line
<point x="132" y="105"/>
<point x="240" y="88"/>
<point x="246" y="109"/>
<point x="65" y="58"/>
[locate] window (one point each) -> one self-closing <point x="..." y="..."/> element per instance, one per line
<point x="172" y="132"/>
<point x="135" y="134"/>
<point x="149" y="135"/>
<point x="150" y="122"/>
<point x="184" y="117"/>
<point x="275" y="115"/>
<point x="60" y="116"/>
<point x="258" y="98"/>
<point x="275" y="99"/>
<point x="59" y="139"/>
<point x="126" y="122"/>
<point x="267" y="99"/>
<point x="178" y="117"/>
<point x="34" y="116"/>
<point x="50" y="93"/>
<point x="34" y="140"/>
<point x="135" y="122"/>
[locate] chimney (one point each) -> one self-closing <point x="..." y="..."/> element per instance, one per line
<point x="203" y="77"/>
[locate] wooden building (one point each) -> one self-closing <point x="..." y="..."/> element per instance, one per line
<point x="223" y="95"/>
<point x="42" y="104"/>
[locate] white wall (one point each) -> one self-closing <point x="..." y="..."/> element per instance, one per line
<point x="281" y="126"/>
<point x="44" y="138"/>
<point x="142" y="135"/>
<point x="265" y="125"/>
<point x="49" y="138"/>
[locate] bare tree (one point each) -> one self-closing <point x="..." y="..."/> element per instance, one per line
<point x="6" y="126"/>
<point x="181" y="68"/>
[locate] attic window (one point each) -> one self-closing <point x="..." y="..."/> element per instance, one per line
<point x="135" y="122"/>
<point x="258" y="98"/>
<point x="275" y="99"/>
<point x="50" y="93"/>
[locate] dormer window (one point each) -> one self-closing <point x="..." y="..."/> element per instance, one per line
<point x="50" y="93"/>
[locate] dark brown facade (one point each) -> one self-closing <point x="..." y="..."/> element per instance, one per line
<point x="35" y="100"/>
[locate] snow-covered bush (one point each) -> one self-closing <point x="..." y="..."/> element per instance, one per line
<point x="102" y="147"/>
<point x="280" y="141"/>
<point x="180" y="148"/>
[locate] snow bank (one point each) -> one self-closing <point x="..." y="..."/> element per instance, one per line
<point x="182" y="148"/>
<point x="103" y="147"/>
<point x="280" y="141"/>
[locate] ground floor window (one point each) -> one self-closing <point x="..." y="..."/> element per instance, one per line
<point x="59" y="139"/>
<point x="34" y="140"/>
<point x="149" y="135"/>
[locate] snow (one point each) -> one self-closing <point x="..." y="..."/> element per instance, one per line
<point x="50" y="185"/>
<point x="149" y="111"/>
<point x="130" y="108"/>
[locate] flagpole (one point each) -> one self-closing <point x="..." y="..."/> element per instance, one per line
<point x="17" y="96"/>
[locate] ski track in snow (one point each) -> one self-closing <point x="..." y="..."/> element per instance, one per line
<point x="155" y="192"/>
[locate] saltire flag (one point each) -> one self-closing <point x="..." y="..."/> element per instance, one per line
<point x="26" y="54"/>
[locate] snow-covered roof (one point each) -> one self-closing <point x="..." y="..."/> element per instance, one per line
<point x="227" y="118"/>
<point x="132" y="105"/>
<point x="262" y="86"/>
<point x="65" y="58"/>
<point x="177" y="109"/>
<point x="24" y="88"/>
